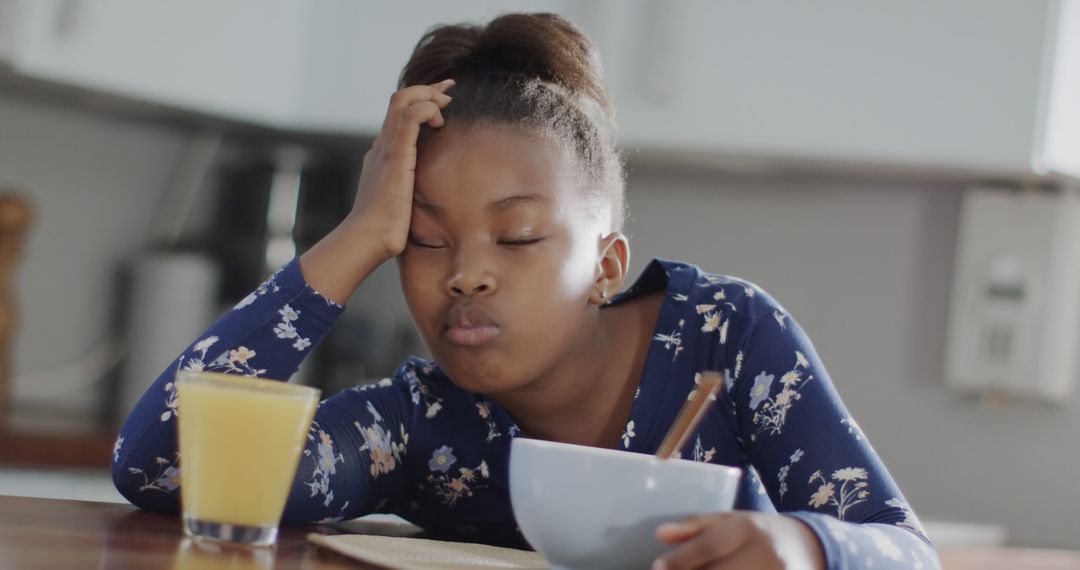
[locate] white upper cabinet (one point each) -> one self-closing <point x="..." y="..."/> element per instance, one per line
<point x="355" y="52"/>
<point x="1057" y="144"/>
<point x="964" y="84"/>
<point x="990" y="87"/>
<point x="324" y="66"/>
<point x="7" y="29"/>
<point x="234" y="58"/>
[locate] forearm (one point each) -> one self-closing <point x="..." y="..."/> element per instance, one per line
<point x="266" y="335"/>
<point x="343" y="259"/>
<point x="352" y="463"/>
<point x="882" y="546"/>
<point x="809" y="452"/>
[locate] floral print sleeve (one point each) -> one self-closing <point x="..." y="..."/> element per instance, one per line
<point x="812" y="459"/>
<point x="267" y="335"/>
<point x="354" y="461"/>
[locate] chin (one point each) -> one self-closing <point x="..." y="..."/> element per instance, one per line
<point x="475" y="371"/>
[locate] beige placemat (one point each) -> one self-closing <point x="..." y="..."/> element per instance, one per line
<point x="422" y="554"/>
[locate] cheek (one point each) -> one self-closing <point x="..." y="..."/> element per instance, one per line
<point x="553" y="300"/>
<point x="577" y="269"/>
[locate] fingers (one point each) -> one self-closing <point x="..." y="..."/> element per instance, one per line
<point x="401" y="141"/>
<point x="680" y="531"/>
<point x="407" y="95"/>
<point x="410" y="108"/>
<point x="704" y="539"/>
<point x="402" y="99"/>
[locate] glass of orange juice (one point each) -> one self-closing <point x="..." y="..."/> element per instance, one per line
<point x="240" y="443"/>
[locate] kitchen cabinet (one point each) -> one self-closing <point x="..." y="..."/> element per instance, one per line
<point x="992" y="87"/>
<point x="965" y="85"/>
<point x="235" y="59"/>
<point x="355" y="52"/>
<point x="7" y="29"/>
<point x="327" y="66"/>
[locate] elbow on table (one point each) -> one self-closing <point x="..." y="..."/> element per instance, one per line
<point x="153" y="492"/>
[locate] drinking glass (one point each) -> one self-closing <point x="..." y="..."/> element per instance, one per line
<point x="240" y="443"/>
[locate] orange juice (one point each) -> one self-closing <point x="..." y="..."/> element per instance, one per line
<point x="240" y="442"/>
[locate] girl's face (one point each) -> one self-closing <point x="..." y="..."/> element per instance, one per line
<point x="502" y="257"/>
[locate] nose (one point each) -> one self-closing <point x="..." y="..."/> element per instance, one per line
<point x="470" y="278"/>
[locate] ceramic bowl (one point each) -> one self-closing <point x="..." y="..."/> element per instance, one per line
<point x="589" y="508"/>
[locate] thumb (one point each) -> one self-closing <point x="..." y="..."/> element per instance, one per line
<point x="679" y="531"/>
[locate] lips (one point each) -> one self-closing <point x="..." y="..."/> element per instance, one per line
<point x="470" y="325"/>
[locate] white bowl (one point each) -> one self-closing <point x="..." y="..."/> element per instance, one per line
<point x="589" y="508"/>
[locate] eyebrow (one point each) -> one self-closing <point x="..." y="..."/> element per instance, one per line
<point x="420" y="204"/>
<point x="509" y="202"/>
<point x="497" y="206"/>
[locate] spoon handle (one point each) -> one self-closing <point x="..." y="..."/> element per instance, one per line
<point x="691" y="414"/>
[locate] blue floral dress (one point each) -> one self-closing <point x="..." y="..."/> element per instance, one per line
<point x="418" y="446"/>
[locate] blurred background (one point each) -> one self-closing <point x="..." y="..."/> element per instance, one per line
<point x="902" y="175"/>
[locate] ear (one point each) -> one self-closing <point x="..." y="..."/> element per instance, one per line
<point x="611" y="267"/>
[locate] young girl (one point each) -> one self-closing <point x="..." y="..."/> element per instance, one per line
<point x="496" y="185"/>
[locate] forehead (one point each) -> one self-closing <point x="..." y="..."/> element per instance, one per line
<point x="468" y="165"/>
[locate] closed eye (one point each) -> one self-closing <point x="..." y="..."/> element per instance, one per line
<point x="424" y="245"/>
<point x="519" y="242"/>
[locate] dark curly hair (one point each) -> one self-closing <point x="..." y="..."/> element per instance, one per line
<point x="533" y="71"/>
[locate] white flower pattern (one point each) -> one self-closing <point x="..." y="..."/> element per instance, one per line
<point x="853" y="428"/>
<point x="286" y="330"/>
<point x="911" y="521"/>
<point x="771" y="410"/>
<point x="268" y="286"/>
<point x="167" y="478"/>
<point x="672" y="340"/>
<point x="853" y="489"/>
<point x="483" y="408"/>
<point x="782" y="474"/>
<point x="628" y="434"/>
<point x="326" y="460"/>
<point x="384" y="453"/>
<point x="451" y="486"/>
<point x="699" y="453"/>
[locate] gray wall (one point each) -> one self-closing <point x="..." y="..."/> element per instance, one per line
<point x="95" y="182"/>
<point x="863" y="265"/>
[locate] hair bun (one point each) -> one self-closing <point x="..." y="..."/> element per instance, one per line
<point x="543" y="46"/>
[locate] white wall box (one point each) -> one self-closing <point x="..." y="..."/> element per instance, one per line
<point x="1014" y="314"/>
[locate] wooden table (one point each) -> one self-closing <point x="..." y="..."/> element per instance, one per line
<point x="1007" y="558"/>
<point x="51" y="534"/>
